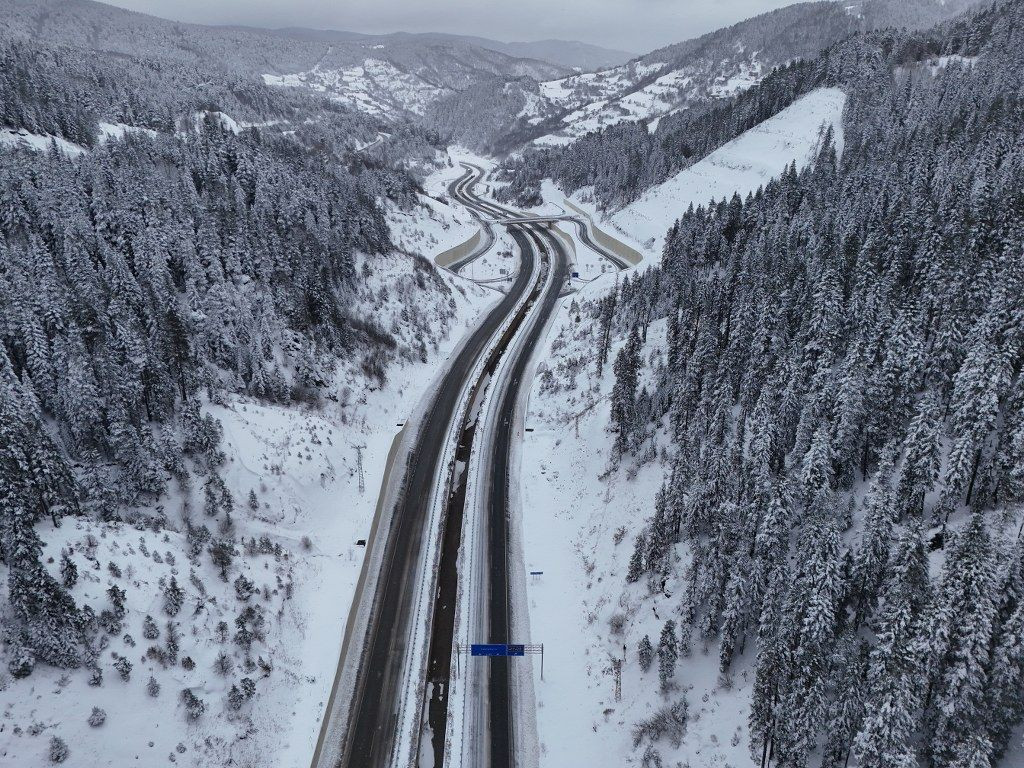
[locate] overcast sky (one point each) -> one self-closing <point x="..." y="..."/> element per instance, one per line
<point x="633" y="25"/>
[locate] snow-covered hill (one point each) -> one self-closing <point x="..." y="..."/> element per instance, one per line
<point x="304" y="480"/>
<point x="714" y="66"/>
<point x="742" y="165"/>
<point x="381" y="74"/>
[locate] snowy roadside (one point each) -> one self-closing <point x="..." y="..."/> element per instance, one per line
<point x="304" y="481"/>
<point x="579" y="521"/>
<point x="579" y="518"/>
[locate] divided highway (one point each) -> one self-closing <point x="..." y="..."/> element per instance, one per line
<point x="371" y="722"/>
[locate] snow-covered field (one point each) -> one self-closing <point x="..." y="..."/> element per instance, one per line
<point x="10" y="138"/>
<point x="603" y="99"/>
<point x="742" y="165"/>
<point x="304" y="481"/>
<point x="376" y="87"/>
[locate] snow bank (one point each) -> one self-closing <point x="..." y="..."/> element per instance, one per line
<point x="742" y="165"/>
<point x="41" y="142"/>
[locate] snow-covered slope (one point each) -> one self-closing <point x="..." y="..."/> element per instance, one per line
<point x="742" y="165"/>
<point x="624" y="94"/>
<point x="10" y="138"/>
<point x="717" y="65"/>
<point x="314" y="476"/>
<point x="579" y="522"/>
<point x="376" y="87"/>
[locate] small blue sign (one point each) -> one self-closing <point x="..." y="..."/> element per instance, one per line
<point x="488" y="649"/>
<point x="575" y="274"/>
<point x="496" y="649"/>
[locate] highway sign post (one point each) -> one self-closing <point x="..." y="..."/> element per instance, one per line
<point x="504" y="650"/>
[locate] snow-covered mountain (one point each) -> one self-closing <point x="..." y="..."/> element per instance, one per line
<point x="382" y="75"/>
<point x="717" y="65"/>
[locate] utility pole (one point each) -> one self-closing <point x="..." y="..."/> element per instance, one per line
<point x="359" y="467"/>
<point x="617" y="670"/>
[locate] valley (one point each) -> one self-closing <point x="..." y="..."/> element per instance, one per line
<point x="420" y="398"/>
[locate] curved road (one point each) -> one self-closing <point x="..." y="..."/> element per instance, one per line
<point x="538" y="239"/>
<point x="370" y="736"/>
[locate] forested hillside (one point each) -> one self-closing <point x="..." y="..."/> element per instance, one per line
<point x="844" y="408"/>
<point x="157" y="273"/>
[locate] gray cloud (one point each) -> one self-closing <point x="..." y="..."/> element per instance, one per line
<point x="634" y="25"/>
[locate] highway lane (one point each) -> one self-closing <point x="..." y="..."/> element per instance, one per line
<point x="372" y="723"/>
<point x="446" y="597"/>
<point x="500" y="711"/>
<point x="371" y="732"/>
<point x="500" y="720"/>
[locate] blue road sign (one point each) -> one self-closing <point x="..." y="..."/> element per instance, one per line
<point x="488" y="649"/>
<point x="496" y="649"/>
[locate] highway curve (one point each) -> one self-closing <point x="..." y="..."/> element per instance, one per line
<point x="372" y="723"/>
<point x="372" y="726"/>
<point x="497" y="457"/>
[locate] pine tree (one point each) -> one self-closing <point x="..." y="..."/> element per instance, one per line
<point x="894" y="667"/>
<point x="668" y="652"/>
<point x="959" y="646"/>
<point x="235" y="699"/>
<point x="623" y="399"/>
<point x="645" y="653"/>
<point x="636" y="561"/>
<point x="174" y="596"/>
<point x="68" y="570"/>
<point x="59" y="751"/>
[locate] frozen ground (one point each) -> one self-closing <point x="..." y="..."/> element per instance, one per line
<point x="314" y="499"/>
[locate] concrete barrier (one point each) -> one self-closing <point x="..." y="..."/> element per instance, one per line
<point x="454" y="255"/>
<point x="605" y="240"/>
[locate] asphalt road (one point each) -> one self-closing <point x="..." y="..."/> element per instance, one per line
<point x="499" y="710"/>
<point x="371" y="731"/>
<point x="372" y="725"/>
<point x="500" y="713"/>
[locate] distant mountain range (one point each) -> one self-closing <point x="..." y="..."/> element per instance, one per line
<point x="490" y="95"/>
<point x="717" y="65"/>
<point x="565" y="53"/>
